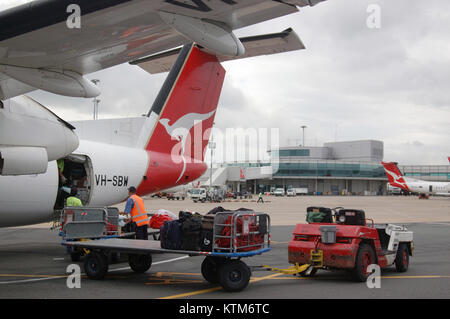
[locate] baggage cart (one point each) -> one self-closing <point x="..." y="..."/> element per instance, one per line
<point x="221" y="265"/>
<point x="88" y="223"/>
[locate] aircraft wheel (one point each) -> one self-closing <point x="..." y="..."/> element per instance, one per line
<point x="96" y="265"/>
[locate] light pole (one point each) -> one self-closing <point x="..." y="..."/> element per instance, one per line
<point x="212" y="146"/>
<point x="96" y="101"/>
<point x="303" y="128"/>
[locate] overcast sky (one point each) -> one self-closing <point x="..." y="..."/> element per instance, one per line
<point x="352" y="82"/>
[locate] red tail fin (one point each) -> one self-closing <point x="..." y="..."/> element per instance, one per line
<point x="394" y="175"/>
<point x="186" y="106"/>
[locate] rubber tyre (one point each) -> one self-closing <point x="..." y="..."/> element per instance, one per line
<point x="234" y="275"/>
<point x="114" y="257"/>
<point x="140" y="263"/>
<point x="402" y="258"/>
<point x="75" y="256"/>
<point x="364" y="258"/>
<point x="210" y="270"/>
<point x="96" y="265"/>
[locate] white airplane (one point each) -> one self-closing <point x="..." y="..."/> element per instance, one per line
<point x="396" y="179"/>
<point x="52" y="44"/>
<point x="148" y="152"/>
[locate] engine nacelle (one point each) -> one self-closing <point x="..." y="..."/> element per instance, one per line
<point x="212" y="35"/>
<point x="31" y="136"/>
<point x="23" y="160"/>
<point x="62" y="82"/>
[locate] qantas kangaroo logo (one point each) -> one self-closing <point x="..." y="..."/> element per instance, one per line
<point x="181" y="128"/>
<point x="397" y="179"/>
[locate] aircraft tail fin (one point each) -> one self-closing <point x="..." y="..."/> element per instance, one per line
<point x="395" y="177"/>
<point x="184" y="111"/>
<point x="186" y="105"/>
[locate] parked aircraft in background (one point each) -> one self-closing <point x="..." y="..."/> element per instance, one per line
<point x="396" y="179"/>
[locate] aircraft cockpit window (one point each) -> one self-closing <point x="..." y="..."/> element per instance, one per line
<point x="1" y="105"/>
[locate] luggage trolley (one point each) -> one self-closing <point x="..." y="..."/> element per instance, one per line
<point x="235" y="235"/>
<point x="88" y="223"/>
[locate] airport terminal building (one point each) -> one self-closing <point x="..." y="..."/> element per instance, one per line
<point x="336" y="168"/>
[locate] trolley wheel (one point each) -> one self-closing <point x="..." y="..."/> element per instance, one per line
<point x="364" y="258"/>
<point x="96" y="265"/>
<point x="402" y="258"/>
<point x="114" y="257"/>
<point x="210" y="269"/>
<point x="140" y="263"/>
<point x="75" y="256"/>
<point x="234" y="275"/>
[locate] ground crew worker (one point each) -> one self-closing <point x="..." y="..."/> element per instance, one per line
<point x="72" y="200"/>
<point x="260" y="198"/>
<point x="139" y="219"/>
<point x="62" y="178"/>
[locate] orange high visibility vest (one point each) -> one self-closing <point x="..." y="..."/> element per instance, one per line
<point x="138" y="213"/>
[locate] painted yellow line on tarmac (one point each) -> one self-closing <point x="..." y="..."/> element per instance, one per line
<point x="337" y="278"/>
<point x="204" y="291"/>
<point x="162" y="273"/>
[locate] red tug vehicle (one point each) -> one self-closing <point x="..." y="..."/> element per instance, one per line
<point x="340" y="238"/>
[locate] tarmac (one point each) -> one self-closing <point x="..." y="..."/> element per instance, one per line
<point x="33" y="264"/>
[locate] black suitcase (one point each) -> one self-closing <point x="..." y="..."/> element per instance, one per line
<point x="191" y="240"/>
<point x="208" y="222"/>
<point x="171" y="235"/>
<point x="191" y="223"/>
<point x="215" y="210"/>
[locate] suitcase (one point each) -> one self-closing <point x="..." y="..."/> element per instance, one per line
<point x="191" y="224"/>
<point x="208" y="222"/>
<point x="216" y="210"/>
<point x="171" y="235"/>
<point x="191" y="240"/>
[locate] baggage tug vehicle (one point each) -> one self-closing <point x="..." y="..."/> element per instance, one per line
<point x="340" y="238"/>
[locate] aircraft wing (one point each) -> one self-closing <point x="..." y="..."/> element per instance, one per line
<point x="52" y="44"/>
<point x="266" y="44"/>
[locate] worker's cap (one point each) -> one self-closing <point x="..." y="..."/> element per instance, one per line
<point x="132" y="189"/>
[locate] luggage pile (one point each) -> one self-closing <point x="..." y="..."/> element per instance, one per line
<point x="195" y="232"/>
